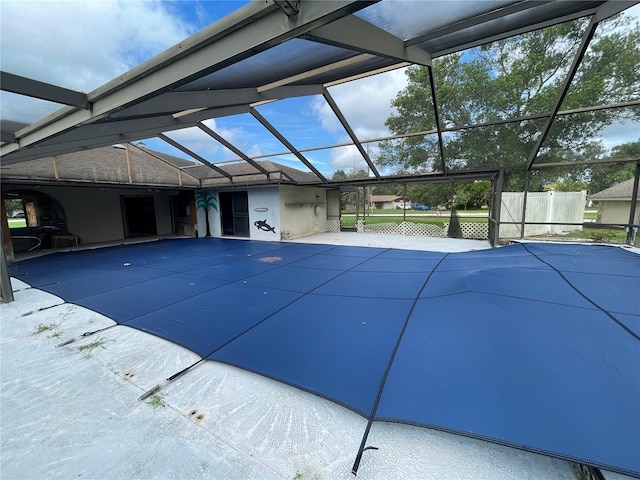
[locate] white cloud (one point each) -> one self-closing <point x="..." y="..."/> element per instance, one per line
<point x="199" y="142"/>
<point x="347" y="159"/>
<point x="82" y="45"/>
<point x="254" y="150"/>
<point x="366" y="104"/>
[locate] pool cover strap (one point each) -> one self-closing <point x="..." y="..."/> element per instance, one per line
<point x="372" y="415"/>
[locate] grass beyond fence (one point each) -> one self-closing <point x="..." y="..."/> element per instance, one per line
<point x="17" y="222"/>
<point x="350" y="220"/>
<point x="595" y="235"/>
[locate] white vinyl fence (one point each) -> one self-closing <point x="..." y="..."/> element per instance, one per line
<point x="551" y="207"/>
<point x="473" y="230"/>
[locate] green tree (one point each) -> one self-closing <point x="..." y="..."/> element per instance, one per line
<point x="513" y="78"/>
<point x="479" y="193"/>
<point x="342" y="175"/>
<point x="351" y="200"/>
<point x="387" y="190"/>
<point x="627" y="150"/>
<point x="461" y="194"/>
<point x="431" y="194"/>
<point x="605" y="175"/>
<point x="339" y="175"/>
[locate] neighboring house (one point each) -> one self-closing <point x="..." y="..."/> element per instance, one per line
<point x="387" y="202"/>
<point x="122" y="191"/>
<point x="614" y="204"/>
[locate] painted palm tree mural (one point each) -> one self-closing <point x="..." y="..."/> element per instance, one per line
<point x="207" y="213"/>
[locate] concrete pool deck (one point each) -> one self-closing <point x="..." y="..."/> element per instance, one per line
<point x="69" y="411"/>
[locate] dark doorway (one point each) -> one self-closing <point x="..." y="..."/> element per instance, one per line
<point x="183" y="213"/>
<point x="234" y="212"/>
<point x="138" y="216"/>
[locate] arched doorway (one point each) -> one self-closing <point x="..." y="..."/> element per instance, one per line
<point x="36" y="220"/>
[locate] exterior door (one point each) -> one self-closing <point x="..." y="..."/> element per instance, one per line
<point x="138" y="216"/>
<point x="234" y="214"/>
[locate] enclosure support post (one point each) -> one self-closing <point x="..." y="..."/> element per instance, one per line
<point x="631" y="229"/>
<point x="6" y="233"/>
<point x="497" y="206"/>
<point x="357" y="205"/>
<point x="404" y="205"/>
<point x="365" y="202"/>
<point x="6" y="292"/>
<point x="524" y="204"/>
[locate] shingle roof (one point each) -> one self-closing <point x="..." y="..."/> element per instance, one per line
<point x="101" y="165"/>
<point x="621" y="191"/>
<point x="145" y="167"/>
<point x="245" y="173"/>
<point x="386" y="198"/>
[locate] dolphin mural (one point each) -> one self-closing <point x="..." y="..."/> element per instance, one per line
<point x="263" y="225"/>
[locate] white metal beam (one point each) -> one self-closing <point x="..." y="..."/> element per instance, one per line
<point x="109" y="133"/>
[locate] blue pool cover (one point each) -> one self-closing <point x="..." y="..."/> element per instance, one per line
<point x="535" y="346"/>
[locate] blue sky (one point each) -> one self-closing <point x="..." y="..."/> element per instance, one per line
<point x="204" y="12"/>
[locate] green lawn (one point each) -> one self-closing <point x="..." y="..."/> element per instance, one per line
<point x="419" y="215"/>
<point x="350" y="220"/>
<point x="595" y="235"/>
<point x="416" y="212"/>
<point x="17" y="222"/>
<point x="590" y="214"/>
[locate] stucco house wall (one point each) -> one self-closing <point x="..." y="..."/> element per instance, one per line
<point x="614" y="203"/>
<point x="303" y="211"/>
<point x="95" y="214"/>
<point x="264" y="212"/>
<point x="276" y="212"/>
<point x="617" y="211"/>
